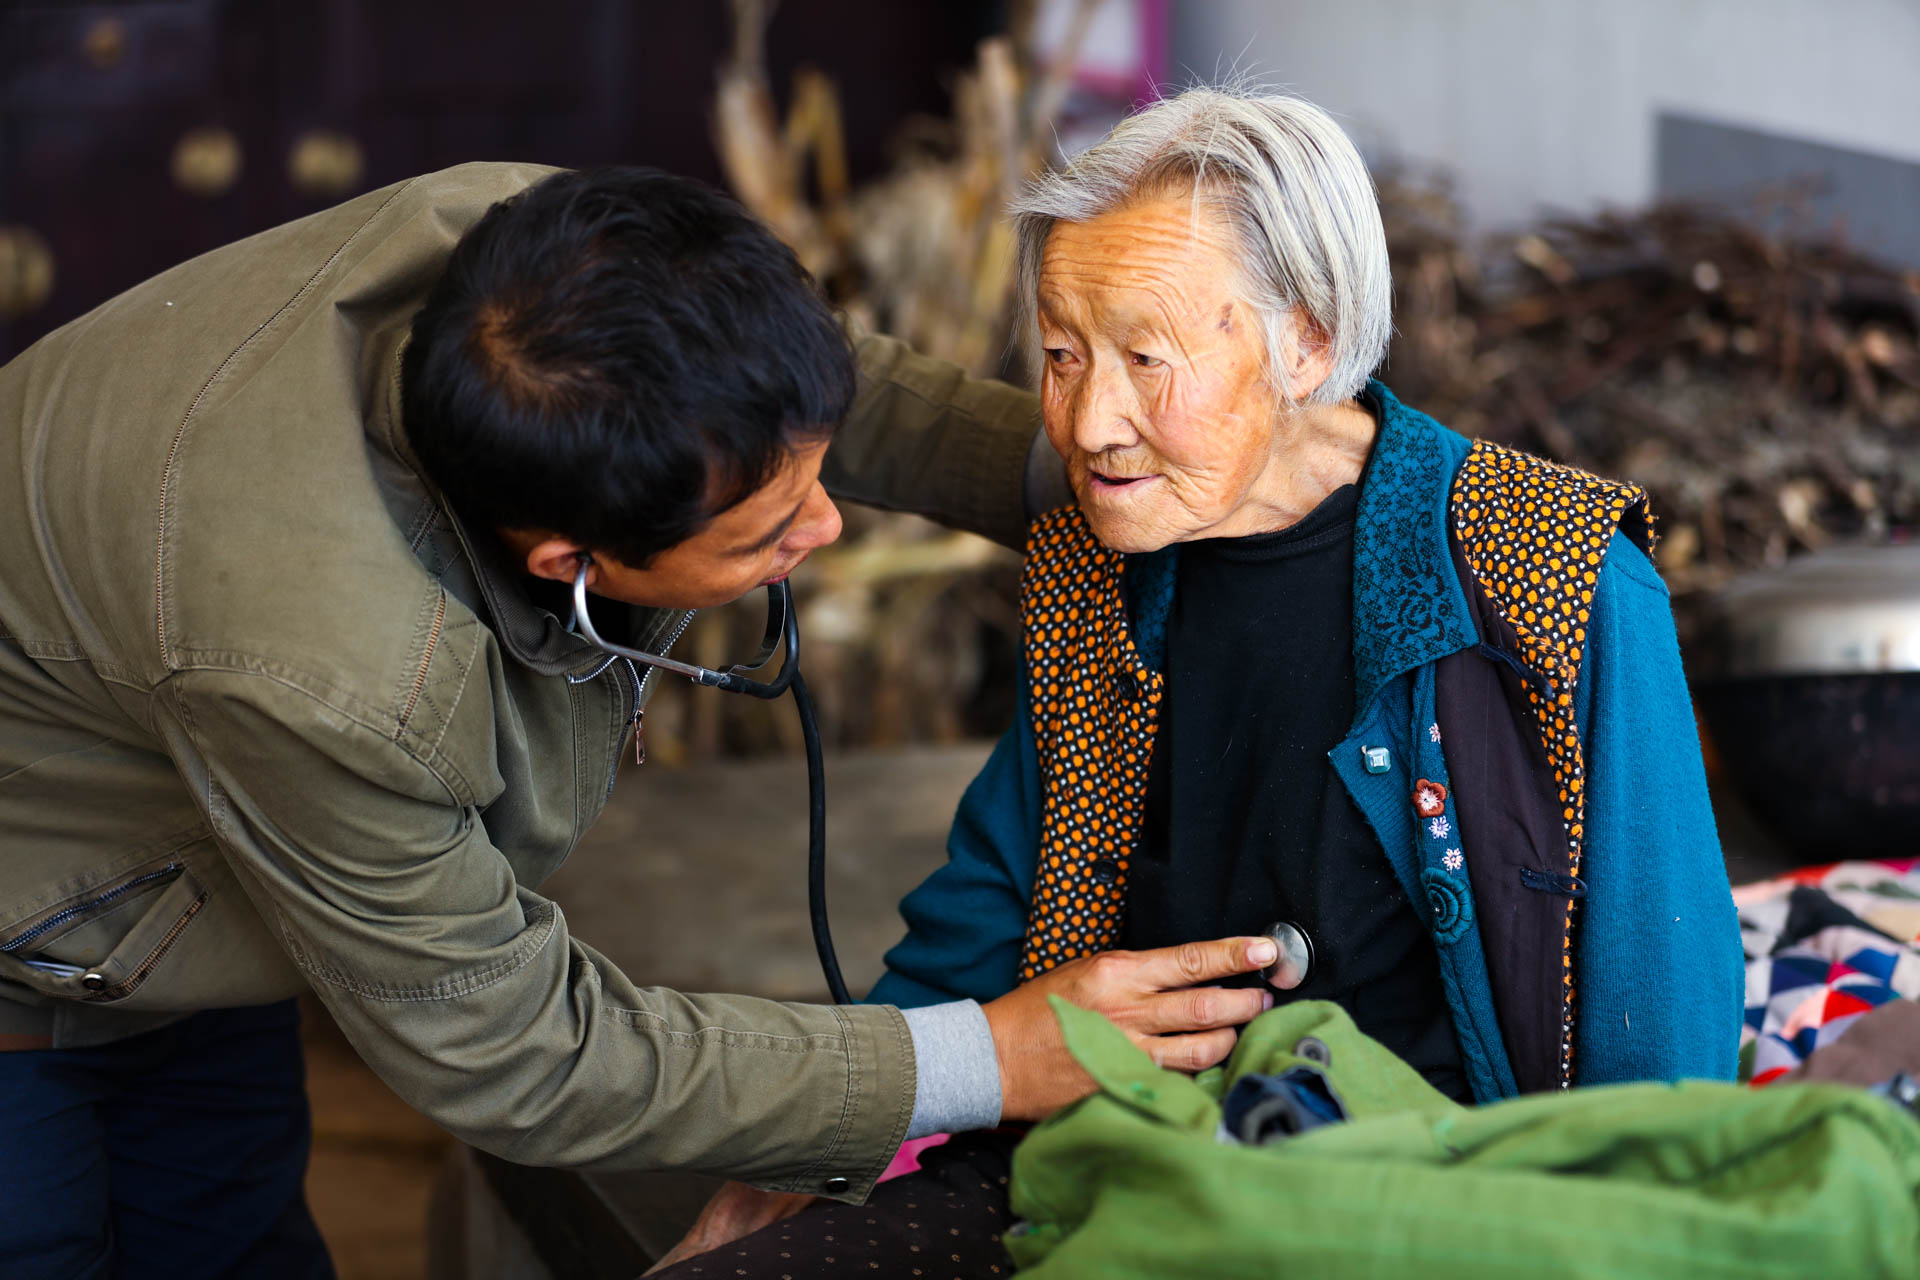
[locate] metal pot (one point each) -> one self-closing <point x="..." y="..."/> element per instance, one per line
<point x="1809" y="684"/>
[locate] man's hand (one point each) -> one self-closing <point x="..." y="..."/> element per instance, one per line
<point x="735" y="1212"/>
<point x="1153" y="996"/>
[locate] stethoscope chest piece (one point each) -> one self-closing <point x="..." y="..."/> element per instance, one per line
<point x="1295" y="959"/>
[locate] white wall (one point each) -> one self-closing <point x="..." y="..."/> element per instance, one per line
<point x="1533" y="103"/>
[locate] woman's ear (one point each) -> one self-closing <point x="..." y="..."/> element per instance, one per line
<point x="1306" y="358"/>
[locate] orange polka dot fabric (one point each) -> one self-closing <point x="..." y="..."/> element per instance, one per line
<point x="1096" y="710"/>
<point x="1535" y="535"/>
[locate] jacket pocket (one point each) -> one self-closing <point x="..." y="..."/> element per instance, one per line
<point x="103" y="945"/>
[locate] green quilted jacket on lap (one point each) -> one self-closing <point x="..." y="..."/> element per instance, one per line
<point x="1697" y="1179"/>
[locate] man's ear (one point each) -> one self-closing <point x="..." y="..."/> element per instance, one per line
<point x="551" y="556"/>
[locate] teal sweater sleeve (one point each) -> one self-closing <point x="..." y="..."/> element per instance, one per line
<point x="1661" y="972"/>
<point x="967" y="921"/>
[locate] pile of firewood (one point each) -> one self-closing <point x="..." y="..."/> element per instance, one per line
<point x="1763" y="385"/>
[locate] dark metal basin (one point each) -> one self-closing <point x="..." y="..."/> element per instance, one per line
<point x="1829" y="763"/>
<point x="1809" y="684"/>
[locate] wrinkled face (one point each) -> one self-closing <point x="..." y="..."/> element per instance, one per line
<point x="1154" y="389"/>
<point x="759" y="540"/>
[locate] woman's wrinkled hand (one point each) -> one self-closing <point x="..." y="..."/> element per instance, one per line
<point x="735" y="1212"/>
<point x="1156" y="997"/>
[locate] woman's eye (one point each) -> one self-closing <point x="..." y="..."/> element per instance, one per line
<point x="1058" y="355"/>
<point x="1142" y="360"/>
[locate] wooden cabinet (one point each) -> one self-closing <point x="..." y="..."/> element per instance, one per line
<point x="136" y="135"/>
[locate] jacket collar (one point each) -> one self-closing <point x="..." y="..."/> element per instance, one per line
<point x="1408" y="608"/>
<point x="531" y="635"/>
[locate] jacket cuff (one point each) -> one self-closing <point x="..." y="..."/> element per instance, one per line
<point x="880" y="1088"/>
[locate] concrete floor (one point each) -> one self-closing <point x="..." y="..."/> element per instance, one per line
<point x="697" y="879"/>
<point x="693" y="879"/>
<point x="374" y="1161"/>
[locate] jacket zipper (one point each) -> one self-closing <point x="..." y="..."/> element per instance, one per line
<point x="679" y="629"/>
<point x="639" y="701"/>
<point x="127" y="985"/>
<point x="641" y="683"/>
<point x="59" y="918"/>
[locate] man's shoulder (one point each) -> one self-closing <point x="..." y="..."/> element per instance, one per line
<point x="292" y="523"/>
<point x="334" y="603"/>
<point x="484" y="181"/>
<point x="214" y="446"/>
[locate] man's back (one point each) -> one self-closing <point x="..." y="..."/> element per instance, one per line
<point x="212" y="479"/>
<point x="217" y="411"/>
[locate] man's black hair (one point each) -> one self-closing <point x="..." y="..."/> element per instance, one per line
<point x="616" y="356"/>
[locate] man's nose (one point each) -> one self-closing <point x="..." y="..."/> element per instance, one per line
<point x="819" y="523"/>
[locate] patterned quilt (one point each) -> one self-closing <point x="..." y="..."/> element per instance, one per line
<point x="1824" y="945"/>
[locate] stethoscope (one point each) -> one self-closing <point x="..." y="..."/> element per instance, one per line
<point x="1294" y="948"/>
<point x="783" y="632"/>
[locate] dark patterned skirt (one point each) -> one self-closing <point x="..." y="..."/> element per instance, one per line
<point x="942" y="1223"/>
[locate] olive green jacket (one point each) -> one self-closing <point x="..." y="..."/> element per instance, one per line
<point x="271" y="718"/>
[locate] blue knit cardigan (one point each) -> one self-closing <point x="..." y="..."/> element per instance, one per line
<point x="1658" y="962"/>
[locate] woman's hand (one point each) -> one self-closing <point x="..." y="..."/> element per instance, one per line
<point x="735" y="1212"/>
<point x="1153" y="996"/>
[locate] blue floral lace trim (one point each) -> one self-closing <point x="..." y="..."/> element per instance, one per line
<point x="1408" y="608"/>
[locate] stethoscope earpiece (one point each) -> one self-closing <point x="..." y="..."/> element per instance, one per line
<point x="782" y="632"/>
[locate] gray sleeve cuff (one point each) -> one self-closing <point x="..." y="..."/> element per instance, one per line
<point x="956" y="1075"/>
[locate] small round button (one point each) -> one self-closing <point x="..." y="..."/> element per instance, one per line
<point x="94" y="981"/>
<point x="836" y="1185"/>
<point x="1314" y="1049"/>
<point x="1295" y="959"/>
<point x="1129" y="684"/>
<point x="1106" y="871"/>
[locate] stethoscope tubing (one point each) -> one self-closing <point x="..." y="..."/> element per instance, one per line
<point x="783" y="632"/>
<point x="817" y="843"/>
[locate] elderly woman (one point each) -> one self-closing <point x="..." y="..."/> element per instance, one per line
<point x="1300" y="659"/>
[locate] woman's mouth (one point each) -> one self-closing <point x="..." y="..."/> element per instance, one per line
<point x="1107" y="485"/>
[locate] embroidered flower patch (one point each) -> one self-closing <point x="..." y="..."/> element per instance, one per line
<point x="1433" y="733"/>
<point x="1438" y="828"/>
<point x="1429" y="798"/>
<point x="1453" y="860"/>
<point x="1449" y="903"/>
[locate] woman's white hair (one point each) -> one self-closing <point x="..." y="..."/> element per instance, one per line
<point x="1292" y="187"/>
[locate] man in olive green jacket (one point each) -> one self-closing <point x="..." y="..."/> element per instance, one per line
<point x="273" y="715"/>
